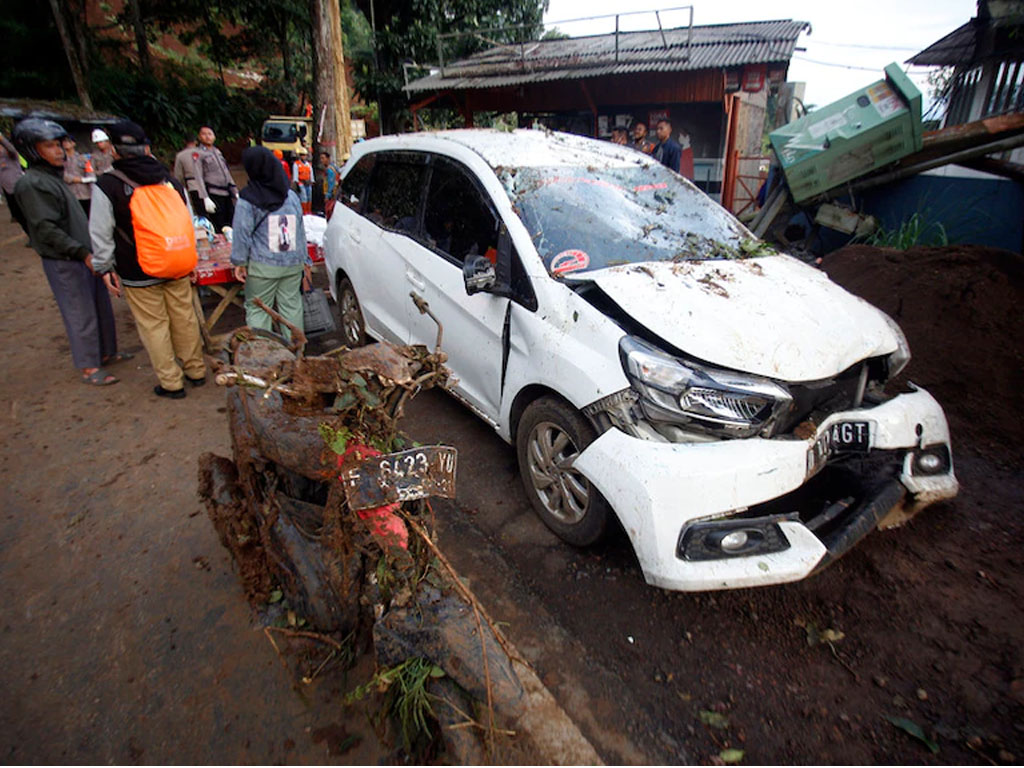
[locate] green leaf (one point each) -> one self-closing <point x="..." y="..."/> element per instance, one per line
<point x="914" y="730"/>
<point x="336" y="440"/>
<point x="343" y="401"/>
<point x="359" y="381"/>
<point x="731" y="756"/>
<point x="436" y="671"/>
<point x="714" y="719"/>
<point x="275" y="596"/>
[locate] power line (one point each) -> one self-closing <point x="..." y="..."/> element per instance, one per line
<point x="833" y="64"/>
<point x="869" y="47"/>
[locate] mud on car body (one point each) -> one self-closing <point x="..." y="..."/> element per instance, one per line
<point x="647" y="356"/>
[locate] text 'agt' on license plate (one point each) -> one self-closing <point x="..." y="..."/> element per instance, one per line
<point x="841" y="437"/>
<point x="403" y="476"/>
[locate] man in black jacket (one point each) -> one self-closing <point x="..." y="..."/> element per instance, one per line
<point x="59" y="232"/>
<point x="162" y="308"/>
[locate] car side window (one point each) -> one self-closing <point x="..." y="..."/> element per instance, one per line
<point x="353" y="186"/>
<point x="457" y="221"/>
<point x="393" y="200"/>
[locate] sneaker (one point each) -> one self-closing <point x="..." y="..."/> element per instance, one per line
<point x="174" y="394"/>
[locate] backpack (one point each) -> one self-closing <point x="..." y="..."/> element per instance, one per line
<point x="165" y="239"/>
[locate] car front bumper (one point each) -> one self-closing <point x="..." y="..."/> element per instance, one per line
<point x="658" y="489"/>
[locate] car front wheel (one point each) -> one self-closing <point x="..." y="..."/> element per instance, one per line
<point x="353" y="330"/>
<point x="551" y="435"/>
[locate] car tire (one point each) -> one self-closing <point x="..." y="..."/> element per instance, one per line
<point x="551" y="433"/>
<point x="350" y="315"/>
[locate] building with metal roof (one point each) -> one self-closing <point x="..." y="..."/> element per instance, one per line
<point x="715" y="83"/>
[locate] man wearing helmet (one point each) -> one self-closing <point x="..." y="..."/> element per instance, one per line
<point x="59" y="231"/>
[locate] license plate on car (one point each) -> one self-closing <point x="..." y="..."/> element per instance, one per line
<point x="841" y="437"/>
<point x="403" y="476"/>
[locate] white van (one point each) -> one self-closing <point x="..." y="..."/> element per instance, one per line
<point x="648" y="357"/>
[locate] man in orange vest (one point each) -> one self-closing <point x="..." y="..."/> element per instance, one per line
<point x="302" y="176"/>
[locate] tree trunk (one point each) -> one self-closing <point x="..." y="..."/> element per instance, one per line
<point x="69" y="51"/>
<point x="332" y="125"/>
<point x="79" y="20"/>
<point x="286" y="55"/>
<point x="141" y="43"/>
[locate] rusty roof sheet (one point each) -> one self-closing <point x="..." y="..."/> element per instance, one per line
<point x="714" y="46"/>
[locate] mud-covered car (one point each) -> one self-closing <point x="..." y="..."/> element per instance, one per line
<point x="645" y="353"/>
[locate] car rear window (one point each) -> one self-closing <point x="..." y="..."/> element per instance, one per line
<point x="584" y="218"/>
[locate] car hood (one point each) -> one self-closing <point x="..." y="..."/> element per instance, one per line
<point x="773" y="316"/>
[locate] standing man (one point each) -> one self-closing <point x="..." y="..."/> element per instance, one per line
<point x="78" y="174"/>
<point x="162" y="307"/>
<point x="641" y="140"/>
<point x="102" y="158"/>
<point x="184" y="171"/>
<point x="59" y="232"/>
<point x="619" y="136"/>
<point x="330" y="174"/>
<point x="214" y="184"/>
<point x="303" y="178"/>
<point x="667" y="152"/>
<point x="10" y="172"/>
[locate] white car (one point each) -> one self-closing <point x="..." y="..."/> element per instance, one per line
<point x="647" y="356"/>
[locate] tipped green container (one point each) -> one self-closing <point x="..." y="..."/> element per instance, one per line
<point x="868" y="129"/>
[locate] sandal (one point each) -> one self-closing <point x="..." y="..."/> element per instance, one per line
<point x="118" y="358"/>
<point x="99" y="378"/>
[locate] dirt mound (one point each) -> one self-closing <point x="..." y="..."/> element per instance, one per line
<point x="959" y="307"/>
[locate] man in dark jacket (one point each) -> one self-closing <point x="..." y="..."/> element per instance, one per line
<point x="667" y="152"/>
<point x="162" y="308"/>
<point x="59" y="232"/>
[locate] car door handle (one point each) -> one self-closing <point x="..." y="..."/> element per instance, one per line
<point x="416" y="280"/>
<point x="354" y="237"/>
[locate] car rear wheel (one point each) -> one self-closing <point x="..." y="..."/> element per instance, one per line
<point x="353" y="330"/>
<point x="550" y="436"/>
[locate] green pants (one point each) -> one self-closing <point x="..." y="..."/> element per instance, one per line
<point x="279" y="288"/>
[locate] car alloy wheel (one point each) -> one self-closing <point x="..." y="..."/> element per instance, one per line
<point x="352" y="327"/>
<point x="550" y="436"/>
<point x="563" y="491"/>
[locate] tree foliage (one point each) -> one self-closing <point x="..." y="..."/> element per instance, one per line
<point x="410" y="30"/>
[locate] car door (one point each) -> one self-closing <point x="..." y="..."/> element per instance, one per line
<point x="459" y="222"/>
<point x="392" y="212"/>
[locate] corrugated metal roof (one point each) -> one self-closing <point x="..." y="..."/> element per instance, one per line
<point x="710" y="47"/>
<point x="955" y="48"/>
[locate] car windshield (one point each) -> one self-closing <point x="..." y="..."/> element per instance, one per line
<point x="584" y="218"/>
<point x="279" y="132"/>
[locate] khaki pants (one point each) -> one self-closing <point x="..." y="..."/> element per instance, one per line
<point x="168" y="328"/>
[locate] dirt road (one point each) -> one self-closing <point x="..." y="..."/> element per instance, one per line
<point x="123" y="634"/>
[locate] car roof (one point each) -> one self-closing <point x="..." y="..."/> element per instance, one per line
<point x="521" y="148"/>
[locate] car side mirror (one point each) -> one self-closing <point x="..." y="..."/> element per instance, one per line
<point x="479" y="274"/>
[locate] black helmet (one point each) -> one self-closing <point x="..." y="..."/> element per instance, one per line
<point x="31" y="131"/>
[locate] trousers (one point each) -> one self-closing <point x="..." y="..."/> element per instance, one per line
<point x="85" y="307"/>
<point x="169" y="329"/>
<point x="279" y="288"/>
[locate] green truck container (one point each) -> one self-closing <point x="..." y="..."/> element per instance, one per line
<point x="871" y="127"/>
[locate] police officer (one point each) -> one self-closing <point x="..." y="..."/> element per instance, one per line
<point x="214" y="184"/>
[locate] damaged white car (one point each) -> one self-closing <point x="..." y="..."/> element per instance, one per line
<point x="648" y="357"/>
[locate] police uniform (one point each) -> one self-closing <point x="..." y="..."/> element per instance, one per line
<point x="213" y="180"/>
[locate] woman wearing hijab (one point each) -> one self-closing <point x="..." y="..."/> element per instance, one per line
<point x="271" y="266"/>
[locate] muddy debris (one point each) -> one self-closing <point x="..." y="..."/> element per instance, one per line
<point x="323" y="508"/>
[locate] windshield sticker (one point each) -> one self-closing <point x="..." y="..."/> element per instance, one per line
<point x="569" y="261"/>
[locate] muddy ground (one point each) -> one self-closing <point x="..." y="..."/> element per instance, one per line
<point x="124" y="636"/>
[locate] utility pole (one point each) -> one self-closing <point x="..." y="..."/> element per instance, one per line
<point x="73" y="62"/>
<point x="331" y="111"/>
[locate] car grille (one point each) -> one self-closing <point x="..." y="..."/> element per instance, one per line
<point x="816" y="400"/>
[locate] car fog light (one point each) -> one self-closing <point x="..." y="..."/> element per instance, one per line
<point x="734" y="541"/>
<point x="932" y="460"/>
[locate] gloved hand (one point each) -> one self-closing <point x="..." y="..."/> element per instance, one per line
<point x="211" y="207"/>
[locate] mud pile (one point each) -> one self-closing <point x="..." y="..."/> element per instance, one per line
<point x="959" y="307"/>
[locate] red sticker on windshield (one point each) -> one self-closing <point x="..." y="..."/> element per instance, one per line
<point x="569" y="261"/>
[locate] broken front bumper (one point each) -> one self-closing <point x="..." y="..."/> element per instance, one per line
<point x="659" y="490"/>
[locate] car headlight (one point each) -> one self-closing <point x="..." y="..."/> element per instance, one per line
<point x="896" y="361"/>
<point x="725" y="402"/>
